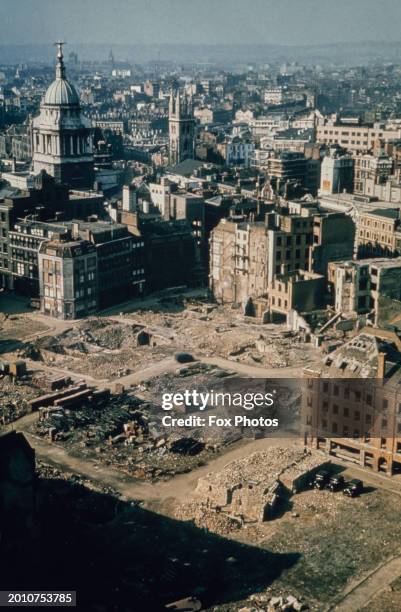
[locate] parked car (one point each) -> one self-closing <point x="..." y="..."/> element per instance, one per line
<point x="353" y="488"/>
<point x="321" y="480"/>
<point x="336" y="483"/>
<point x="183" y="357"/>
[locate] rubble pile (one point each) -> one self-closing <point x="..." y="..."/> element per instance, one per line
<point x="264" y="602"/>
<point x="205" y="518"/>
<point x="317" y="503"/>
<point x="85" y="426"/>
<point x="14" y="398"/>
<point x="125" y="432"/>
<point x="263" y="466"/>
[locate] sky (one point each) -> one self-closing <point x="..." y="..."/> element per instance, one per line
<point x="286" y="22"/>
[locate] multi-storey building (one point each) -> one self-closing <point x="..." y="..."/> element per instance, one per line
<point x="120" y="259"/>
<point x="25" y="240"/>
<point x="337" y="173"/>
<point x="355" y="137"/>
<point x="236" y="150"/>
<point x="351" y="402"/>
<point x="68" y="278"/>
<point x="333" y="240"/>
<point x="367" y="286"/>
<point x="378" y="233"/>
<point x="371" y="171"/>
<point x="299" y="290"/>
<point x="245" y="257"/>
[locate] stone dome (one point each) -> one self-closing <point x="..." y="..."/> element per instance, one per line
<point x="61" y="92"/>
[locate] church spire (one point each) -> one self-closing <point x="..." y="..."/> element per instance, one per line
<point x="60" y="67"/>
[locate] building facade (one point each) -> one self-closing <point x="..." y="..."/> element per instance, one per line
<point x="68" y="279"/>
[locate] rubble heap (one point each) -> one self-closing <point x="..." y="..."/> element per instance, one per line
<point x="252" y="486"/>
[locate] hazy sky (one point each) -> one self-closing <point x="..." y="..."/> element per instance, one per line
<point x="199" y="21"/>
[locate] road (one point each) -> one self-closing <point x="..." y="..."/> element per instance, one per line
<point x="179" y="487"/>
<point x="357" y="596"/>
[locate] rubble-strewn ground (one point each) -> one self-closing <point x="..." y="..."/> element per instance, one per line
<point x="14" y="395"/>
<point x="107" y="347"/>
<point x="99" y="433"/>
<point x="333" y="534"/>
<point x="156" y="452"/>
<point x="103" y="348"/>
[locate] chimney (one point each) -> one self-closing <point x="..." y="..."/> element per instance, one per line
<point x="75" y="230"/>
<point x="381" y="365"/>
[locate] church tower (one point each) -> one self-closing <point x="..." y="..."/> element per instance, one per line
<point x="181" y="126"/>
<point x="62" y="136"/>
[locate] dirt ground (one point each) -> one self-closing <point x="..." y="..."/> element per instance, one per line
<point x="334" y="537"/>
<point x="388" y="599"/>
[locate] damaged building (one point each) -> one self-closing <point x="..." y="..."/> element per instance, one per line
<point x="367" y="289"/>
<point x="246" y="257"/>
<point x="351" y="402"/>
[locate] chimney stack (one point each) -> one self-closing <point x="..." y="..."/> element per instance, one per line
<point x="381" y="365"/>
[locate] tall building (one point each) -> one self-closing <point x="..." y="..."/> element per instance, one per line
<point x="62" y="139"/>
<point x="337" y="173"/>
<point x="181" y="129"/>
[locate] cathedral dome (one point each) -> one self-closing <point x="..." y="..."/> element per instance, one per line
<point x="61" y="92"/>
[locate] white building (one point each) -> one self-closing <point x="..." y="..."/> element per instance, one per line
<point x="336" y="174"/>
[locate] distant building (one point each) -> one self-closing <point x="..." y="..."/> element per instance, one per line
<point x="25" y="240"/>
<point x="371" y="171"/>
<point x="337" y="173"/>
<point x="236" y="150"/>
<point x="151" y="89"/>
<point x="353" y="136"/>
<point x="379" y="233"/>
<point x="171" y="254"/>
<point x="62" y="138"/>
<point x="181" y="129"/>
